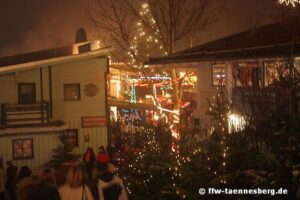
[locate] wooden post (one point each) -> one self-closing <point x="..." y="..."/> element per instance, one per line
<point x="3" y="114"/>
<point x="42" y="96"/>
<point x="50" y="92"/>
<point x="47" y="111"/>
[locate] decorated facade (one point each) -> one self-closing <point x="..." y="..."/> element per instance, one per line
<point x="248" y="61"/>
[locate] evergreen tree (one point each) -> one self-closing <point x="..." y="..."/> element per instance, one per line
<point x="63" y="153"/>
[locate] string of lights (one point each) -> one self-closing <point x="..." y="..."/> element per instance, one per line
<point x="144" y="41"/>
<point x="220" y="110"/>
<point x="138" y="48"/>
<point x="288" y="2"/>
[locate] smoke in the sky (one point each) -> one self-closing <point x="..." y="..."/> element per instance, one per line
<point x="30" y="25"/>
<point x="38" y="24"/>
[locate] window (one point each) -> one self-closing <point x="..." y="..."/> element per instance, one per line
<point x="248" y="74"/>
<point x="274" y="70"/>
<point x="219" y="75"/>
<point x="84" y="48"/>
<point x="72" y="92"/>
<point x="26" y="93"/>
<point x="22" y="148"/>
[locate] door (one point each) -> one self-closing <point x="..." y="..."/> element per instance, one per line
<point x="26" y="93"/>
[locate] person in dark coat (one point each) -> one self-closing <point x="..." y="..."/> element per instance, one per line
<point x="2" y="187"/>
<point x="11" y="179"/>
<point x="45" y="189"/>
<point x="89" y="159"/>
<point x="110" y="186"/>
<point x="25" y="181"/>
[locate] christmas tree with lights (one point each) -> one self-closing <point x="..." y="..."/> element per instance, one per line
<point x="219" y="110"/>
<point x="147" y="170"/>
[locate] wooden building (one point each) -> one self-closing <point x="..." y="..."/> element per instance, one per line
<point x="49" y="92"/>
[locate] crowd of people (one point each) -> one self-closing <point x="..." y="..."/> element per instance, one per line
<point x="94" y="179"/>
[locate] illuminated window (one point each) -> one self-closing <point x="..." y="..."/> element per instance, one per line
<point x="274" y="70"/>
<point x="248" y="74"/>
<point x="22" y="148"/>
<point x="72" y="92"/>
<point x="218" y="75"/>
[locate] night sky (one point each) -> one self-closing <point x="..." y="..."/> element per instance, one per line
<point x="29" y="25"/>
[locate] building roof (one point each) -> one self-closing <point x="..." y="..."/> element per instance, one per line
<point x="274" y="40"/>
<point x="45" y="58"/>
<point x="36" y="55"/>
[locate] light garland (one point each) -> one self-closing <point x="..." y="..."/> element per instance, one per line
<point x="149" y="40"/>
<point x="143" y="39"/>
<point x="133" y="94"/>
<point x="287" y="2"/>
<point x="221" y="108"/>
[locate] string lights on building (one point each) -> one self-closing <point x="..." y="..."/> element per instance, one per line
<point x="288" y="2"/>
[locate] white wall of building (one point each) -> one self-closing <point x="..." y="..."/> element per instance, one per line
<point x="85" y="71"/>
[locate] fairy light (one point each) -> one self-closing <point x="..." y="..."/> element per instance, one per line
<point x="220" y="111"/>
<point x="141" y="37"/>
<point x="148" y="40"/>
<point x="133" y="94"/>
<point x="144" y="38"/>
<point x="236" y="122"/>
<point x="137" y="168"/>
<point x="288" y="2"/>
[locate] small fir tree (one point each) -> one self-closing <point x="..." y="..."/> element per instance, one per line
<point x="63" y="153"/>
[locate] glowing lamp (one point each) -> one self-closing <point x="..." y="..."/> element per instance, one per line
<point x="236" y="122"/>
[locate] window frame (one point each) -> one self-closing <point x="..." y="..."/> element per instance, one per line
<point x="22" y="141"/>
<point x="79" y="91"/>
<point x="246" y="71"/>
<point x="212" y="74"/>
<point x="20" y="101"/>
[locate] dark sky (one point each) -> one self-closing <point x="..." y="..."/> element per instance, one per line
<point x="29" y="25"/>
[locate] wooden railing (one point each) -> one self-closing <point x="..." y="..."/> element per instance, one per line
<point x="21" y="114"/>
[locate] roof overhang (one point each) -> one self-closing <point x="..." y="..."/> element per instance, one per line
<point x="32" y="129"/>
<point x="271" y="51"/>
<point x="54" y="61"/>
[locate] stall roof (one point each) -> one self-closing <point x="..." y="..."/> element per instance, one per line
<point x="274" y="40"/>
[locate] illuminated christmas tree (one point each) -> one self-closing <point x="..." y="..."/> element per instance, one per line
<point x="219" y="111"/>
